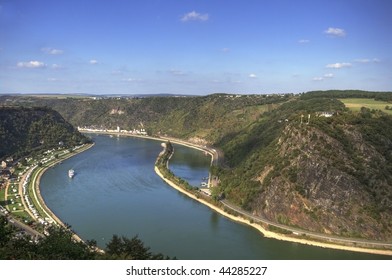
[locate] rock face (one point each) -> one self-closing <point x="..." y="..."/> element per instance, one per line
<point x="340" y="186"/>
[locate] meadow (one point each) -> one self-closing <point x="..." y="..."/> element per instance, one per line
<point x="355" y="104"/>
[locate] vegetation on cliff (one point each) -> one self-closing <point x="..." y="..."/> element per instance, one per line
<point x="303" y="160"/>
<point x="23" y="130"/>
<point x="205" y="117"/>
<point x="325" y="174"/>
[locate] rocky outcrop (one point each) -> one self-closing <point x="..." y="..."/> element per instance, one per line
<point x="326" y="186"/>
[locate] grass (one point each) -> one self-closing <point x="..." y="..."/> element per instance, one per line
<point x="30" y="191"/>
<point x="23" y="215"/>
<point x="2" y="194"/>
<point x="20" y="212"/>
<point x="355" y="104"/>
<point x="10" y="192"/>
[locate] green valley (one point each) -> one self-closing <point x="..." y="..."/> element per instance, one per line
<point x="306" y="160"/>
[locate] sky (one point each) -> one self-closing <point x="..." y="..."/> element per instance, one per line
<point x="194" y="46"/>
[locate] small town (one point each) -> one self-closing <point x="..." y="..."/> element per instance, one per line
<point x="19" y="192"/>
<point x="141" y="131"/>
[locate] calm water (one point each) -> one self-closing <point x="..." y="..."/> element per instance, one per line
<point x="116" y="191"/>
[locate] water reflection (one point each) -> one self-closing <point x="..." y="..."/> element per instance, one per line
<point x="116" y="191"/>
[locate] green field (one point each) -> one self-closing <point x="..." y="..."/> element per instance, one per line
<point x="2" y="194"/>
<point x="356" y="104"/>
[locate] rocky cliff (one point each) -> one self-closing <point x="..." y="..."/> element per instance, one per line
<point x="323" y="189"/>
<point x="333" y="175"/>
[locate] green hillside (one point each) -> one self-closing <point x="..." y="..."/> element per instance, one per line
<point x="303" y="160"/>
<point x="23" y="130"/>
<point x="207" y="117"/>
<point x="331" y="175"/>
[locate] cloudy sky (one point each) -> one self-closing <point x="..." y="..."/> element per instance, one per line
<point x="194" y="46"/>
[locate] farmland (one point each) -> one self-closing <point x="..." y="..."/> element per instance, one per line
<point x="355" y="104"/>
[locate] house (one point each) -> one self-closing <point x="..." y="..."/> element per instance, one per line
<point x="5" y="173"/>
<point x="325" y="114"/>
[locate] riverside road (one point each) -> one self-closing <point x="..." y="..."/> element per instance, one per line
<point x="298" y="231"/>
<point x="30" y="231"/>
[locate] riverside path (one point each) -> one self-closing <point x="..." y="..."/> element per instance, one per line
<point x="325" y="237"/>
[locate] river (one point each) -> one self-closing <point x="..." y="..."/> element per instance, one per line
<point x="116" y="191"/>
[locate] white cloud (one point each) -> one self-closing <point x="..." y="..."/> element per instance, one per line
<point x="132" y="80"/>
<point x="52" y="51"/>
<point x="335" y="32"/>
<point x="303" y="41"/>
<point x="252" y="76"/>
<point x="93" y="61"/>
<point x="367" y="60"/>
<point x="194" y="16"/>
<point x="338" y="65"/>
<point x="177" y="72"/>
<point x="325" y="76"/>
<point x="56" y="66"/>
<point x="31" y="64"/>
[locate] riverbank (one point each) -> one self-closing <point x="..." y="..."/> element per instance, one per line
<point x="34" y="187"/>
<point x="210" y="151"/>
<point x="265" y="232"/>
<point x="37" y="192"/>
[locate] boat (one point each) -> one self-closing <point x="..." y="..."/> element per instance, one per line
<point x="71" y="173"/>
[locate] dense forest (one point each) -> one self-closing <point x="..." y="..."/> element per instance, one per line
<point x="59" y="245"/>
<point x="23" y="130"/>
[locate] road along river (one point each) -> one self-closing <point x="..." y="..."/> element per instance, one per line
<point x="116" y="191"/>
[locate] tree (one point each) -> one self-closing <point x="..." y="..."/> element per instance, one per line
<point x="5" y="231"/>
<point x="114" y="247"/>
<point x="130" y="249"/>
<point x="59" y="245"/>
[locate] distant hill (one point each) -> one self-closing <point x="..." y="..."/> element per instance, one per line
<point x="32" y="129"/>
<point x="207" y="118"/>
<point x="303" y="160"/>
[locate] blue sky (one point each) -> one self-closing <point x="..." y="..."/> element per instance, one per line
<point x="194" y="47"/>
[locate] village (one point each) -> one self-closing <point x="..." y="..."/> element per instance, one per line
<point x="141" y="131"/>
<point x="19" y="196"/>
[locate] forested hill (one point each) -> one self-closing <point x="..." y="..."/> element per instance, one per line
<point x="298" y="167"/>
<point x="204" y="117"/>
<point x="321" y="161"/>
<point x="23" y="130"/>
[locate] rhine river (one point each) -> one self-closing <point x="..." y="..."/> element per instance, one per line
<point x="116" y="191"/>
